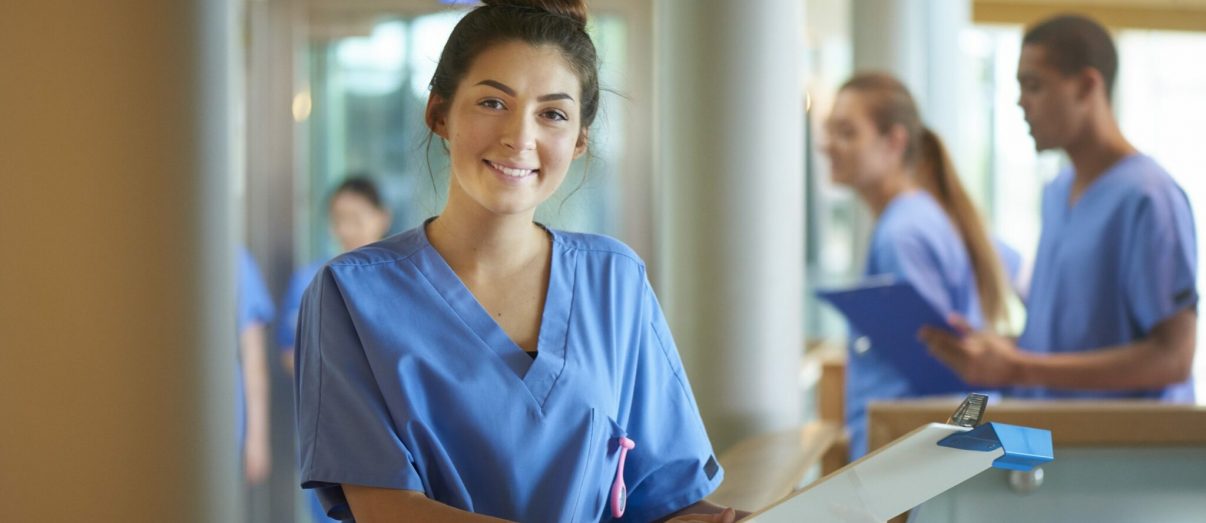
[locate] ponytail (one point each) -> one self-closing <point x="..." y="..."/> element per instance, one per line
<point x="889" y="104"/>
<point x="936" y="174"/>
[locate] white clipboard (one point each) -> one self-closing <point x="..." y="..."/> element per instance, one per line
<point x="911" y="470"/>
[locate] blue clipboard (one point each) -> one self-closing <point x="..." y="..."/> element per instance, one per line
<point x="890" y="313"/>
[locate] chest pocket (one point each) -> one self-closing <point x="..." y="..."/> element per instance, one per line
<point x="594" y="492"/>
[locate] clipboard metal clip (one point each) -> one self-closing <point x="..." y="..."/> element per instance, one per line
<point x="1025" y="447"/>
<point x="970" y="412"/>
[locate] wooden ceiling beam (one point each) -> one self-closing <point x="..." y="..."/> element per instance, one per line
<point x="1172" y="16"/>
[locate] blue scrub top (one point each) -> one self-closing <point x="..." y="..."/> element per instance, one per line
<point x="406" y="382"/>
<point x="1111" y="267"/>
<point x="286" y="329"/>
<point x="253" y="306"/>
<point x="915" y="241"/>
<point x="253" y="301"/>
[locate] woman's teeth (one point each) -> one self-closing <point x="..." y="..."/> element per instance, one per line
<point x="514" y="173"/>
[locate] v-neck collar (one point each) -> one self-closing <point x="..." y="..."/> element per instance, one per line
<point x="1094" y="186"/>
<point x="539" y="375"/>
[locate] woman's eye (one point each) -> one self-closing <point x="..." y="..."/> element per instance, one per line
<point x="556" y="116"/>
<point x="492" y="103"/>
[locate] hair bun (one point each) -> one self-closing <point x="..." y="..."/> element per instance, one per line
<point x="572" y="9"/>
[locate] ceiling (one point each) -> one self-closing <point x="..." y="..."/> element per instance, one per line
<point x="1179" y="15"/>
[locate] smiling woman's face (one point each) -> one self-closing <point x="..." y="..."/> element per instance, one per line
<point x="858" y="153"/>
<point x="513" y="128"/>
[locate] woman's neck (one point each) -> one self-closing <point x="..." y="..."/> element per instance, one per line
<point x="881" y="192"/>
<point x="476" y="242"/>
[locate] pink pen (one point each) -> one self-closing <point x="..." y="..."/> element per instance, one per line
<point x="619" y="492"/>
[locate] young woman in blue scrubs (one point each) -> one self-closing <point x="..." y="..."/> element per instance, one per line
<point x="482" y="367"/>
<point x="927" y="231"/>
<point x="1112" y="309"/>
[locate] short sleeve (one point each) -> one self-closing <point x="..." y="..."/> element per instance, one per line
<point x="345" y="431"/>
<point x="1160" y="266"/>
<point x="673" y="465"/>
<point x="254" y="302"/>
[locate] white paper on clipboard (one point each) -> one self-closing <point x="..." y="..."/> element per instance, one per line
<point x="884" y="483"/>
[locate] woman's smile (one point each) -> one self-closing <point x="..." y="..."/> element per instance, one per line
<point x="511" y="173"/>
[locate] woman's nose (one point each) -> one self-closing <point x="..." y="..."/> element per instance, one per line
<point x="519" y="134"/>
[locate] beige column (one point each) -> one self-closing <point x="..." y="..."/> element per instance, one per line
<point x="729" y="155"/>
<point x="116" y="268"/>
<point x="918" y="41"/>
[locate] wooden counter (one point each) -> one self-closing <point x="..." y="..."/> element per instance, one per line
<point x="1072" y="423"/>
<point x="764" y="469"/>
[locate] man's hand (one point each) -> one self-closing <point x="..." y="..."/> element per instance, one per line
<point x="980" y="358"/>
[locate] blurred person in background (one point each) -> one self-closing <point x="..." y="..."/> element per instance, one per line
<point x="927" y="231"/>
<point x="358" y="216"/>
<point x="1112" y="309"/>
<point x="254" y="313"/>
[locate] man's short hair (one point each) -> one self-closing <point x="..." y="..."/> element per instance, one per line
<point x="1074" y="42"/>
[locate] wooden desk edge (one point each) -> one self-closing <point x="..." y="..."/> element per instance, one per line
<point x="1072" y="423"/>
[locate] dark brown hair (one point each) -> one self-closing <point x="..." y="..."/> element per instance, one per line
<point x="1074" y="42"/>
<point x="362" y="185"/>
<point x="560" y="23"/>
<point x="889" y="104"/>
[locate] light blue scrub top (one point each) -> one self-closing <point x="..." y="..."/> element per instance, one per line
<point x="406" y="382"/>
<point x="286" y="329"/>
<point x="915" y="241"/>
<point x="253" y="301"/>
<point x="1111" y="267"/>
<point x="253" y="306"/>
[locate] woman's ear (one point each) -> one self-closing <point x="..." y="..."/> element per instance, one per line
<point x="583" y="142"/>
<point x="898" y="138"/>
<point x="437" y="108"/>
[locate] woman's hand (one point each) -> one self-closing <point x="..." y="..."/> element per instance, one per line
<point x="728" y="515"/>
<point x="707" y="512"/>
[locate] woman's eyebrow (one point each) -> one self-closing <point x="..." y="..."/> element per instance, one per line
<point x="511" y="92"/>
<point x="554" y="96"/>
<point x="498" y="85"/>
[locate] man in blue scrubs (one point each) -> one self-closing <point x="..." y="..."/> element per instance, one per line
<point x="1112" y="309"/>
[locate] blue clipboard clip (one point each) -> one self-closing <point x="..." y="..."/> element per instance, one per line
<point x="1025" y="447"/>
